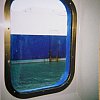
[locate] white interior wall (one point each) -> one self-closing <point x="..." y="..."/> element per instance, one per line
<point x="99" y="60"/>
<point x="87" y="49"/>
<point x="1" y="43"/>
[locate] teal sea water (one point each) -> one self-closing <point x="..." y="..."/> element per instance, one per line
<point x="25" y="76"/>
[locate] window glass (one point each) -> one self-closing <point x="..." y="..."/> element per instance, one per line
<point x="40" y="44"/>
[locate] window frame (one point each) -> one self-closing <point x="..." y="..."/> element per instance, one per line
<point x="56" y="89"/>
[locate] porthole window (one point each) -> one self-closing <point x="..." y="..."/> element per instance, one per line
<point x="39" y="46"/>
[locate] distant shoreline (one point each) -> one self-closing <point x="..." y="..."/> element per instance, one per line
<point x="35" y="60"/>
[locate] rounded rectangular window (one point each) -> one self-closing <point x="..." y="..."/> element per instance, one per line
<point x="39" y="46"/>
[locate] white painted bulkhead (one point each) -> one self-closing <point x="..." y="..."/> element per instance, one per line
<point x="85" y="82"/>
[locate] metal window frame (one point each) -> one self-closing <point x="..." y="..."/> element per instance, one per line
<point x="8" y="84"/>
